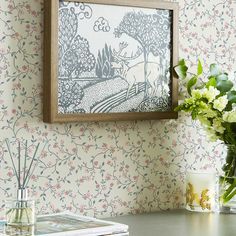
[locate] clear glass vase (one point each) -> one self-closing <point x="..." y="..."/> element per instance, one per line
<point x="227" y="182"/>
<point x="227" y="194"/>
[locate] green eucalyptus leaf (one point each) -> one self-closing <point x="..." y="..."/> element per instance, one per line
<point x="223" y="76"/>
<point x="232" y="96"/>
<point x="211" y="82"/>
<point x="181" y="71"/>
<point x="224" y="85"/>
<point x="199" y="68"/>
<point x="191" y="83"/>
<point x="214" y="70"/>
<point x="182" y="62"/>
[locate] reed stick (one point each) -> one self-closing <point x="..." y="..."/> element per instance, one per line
<point x="14" y="168"/>
<point x="19" y="183"/>
<point x="35" y="165"/>
<point x="24" y="168"/>
<point x="27" y="175"/>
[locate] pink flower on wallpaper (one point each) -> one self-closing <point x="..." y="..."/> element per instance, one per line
<point x="174" y="143"/>
<point x="34" y="13"/>
<point x="9" y="173"/>
<point x="108" y="177"/>
<point x="88" y="147"/>
<point x="95" y="163"/>
<point x="58" y="186"/>
<point x="55" y="145"/>
<point x="105" y="145"/>
<point x="45" y="134"/>
<point x="10" y="7"/>
<point x="110" y="163"/>
<point x="81" y="208"/>
<point x="16" y="85"/>
<point x="136" y="178"/>
<point x="27" y="6"/>
<point x="33" y="178"/>
<point x="24" y="68"/>
<point x="26" y="126"/>
<point x="88" y="195"/>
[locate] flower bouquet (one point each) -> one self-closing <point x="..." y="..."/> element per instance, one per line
<point x="211" y="100"/>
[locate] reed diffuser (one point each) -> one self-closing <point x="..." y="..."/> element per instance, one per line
<point x="21" y="211"/>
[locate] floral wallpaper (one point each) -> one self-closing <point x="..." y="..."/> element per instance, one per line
<point x="105" y="169"/>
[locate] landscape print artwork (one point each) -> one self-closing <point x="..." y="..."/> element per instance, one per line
<point x="113" y="59"/>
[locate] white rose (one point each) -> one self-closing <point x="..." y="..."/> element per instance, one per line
<point x="209" y="113"/>
<point x="217" y="125"/>
<point x="220" y="103"/>
<point x="230" y="116"/>
<point x="210" y="93"/>
<point x="196" y="93"/>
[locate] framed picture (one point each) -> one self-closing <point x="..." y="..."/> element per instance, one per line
<point x="110" y="60"/>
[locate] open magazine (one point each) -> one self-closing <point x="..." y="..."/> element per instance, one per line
<point x="68" y="224"/>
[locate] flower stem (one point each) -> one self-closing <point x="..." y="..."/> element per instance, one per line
<point x="229" y="192"/>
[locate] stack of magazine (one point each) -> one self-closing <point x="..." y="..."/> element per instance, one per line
<point x="68" y="224"/>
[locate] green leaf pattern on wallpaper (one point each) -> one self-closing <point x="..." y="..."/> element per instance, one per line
<point x="111" y="168"/>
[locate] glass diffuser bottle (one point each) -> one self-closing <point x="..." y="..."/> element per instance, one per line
<point x="20" y="211"/>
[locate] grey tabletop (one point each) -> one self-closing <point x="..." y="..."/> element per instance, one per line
<point x="179" y="222"/>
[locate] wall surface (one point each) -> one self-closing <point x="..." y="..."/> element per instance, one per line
<point x="105" y="169"/>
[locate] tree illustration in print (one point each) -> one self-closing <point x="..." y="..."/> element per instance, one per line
<point x="74" y="58"/>
<point x="149" y="30"/>
<point x="70" y="94"/>
<point x="104" y="67"/>
<point x="74" y="53"/>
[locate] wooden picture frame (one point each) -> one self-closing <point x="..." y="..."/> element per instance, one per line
<point x="129" y="78"/>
